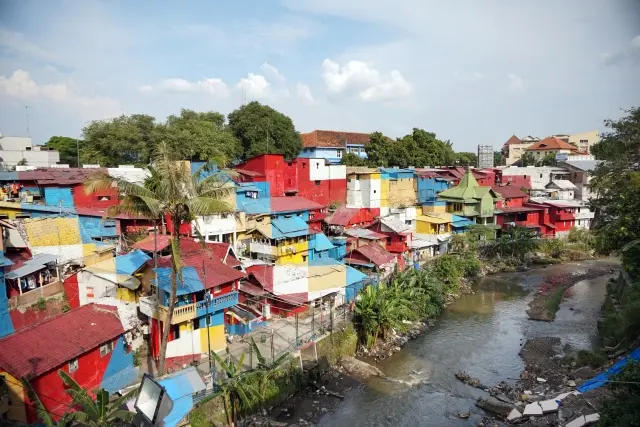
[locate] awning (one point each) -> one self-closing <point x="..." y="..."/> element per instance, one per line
<point x="33" y="265"/>
<point x="250" y="289"/>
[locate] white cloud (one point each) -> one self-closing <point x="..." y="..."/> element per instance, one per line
<point x="17" y="42"/>
<point x="636" y="42"/>
<point x="254" y="86"/>
<point x="304" y="93"/>
<point x="211" y="86"/>
<point x="357" y="78"/>
<point x="21" y="86"/>
<point x="629" y="53"/>
<point x="271" y="71"/>
<point x="477" y="75"/>
<point x="515" y="83"/>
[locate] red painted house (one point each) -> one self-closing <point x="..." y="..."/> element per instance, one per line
<point x="398" y="237"/>
<point x="373" y="257"/>
<point x="512" y="196"/>
<point x="256" y="291"/>
<point x="562" y="214"/>
<point x="313" y="179"/>
<point x="87" y="343"/>
<point x="520" y="216"/>
<point x="344" y="218"/>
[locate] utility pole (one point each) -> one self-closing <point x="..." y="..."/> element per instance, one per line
<point x="26" y="110"/>
<point x="208" y="299"/>
<point x="155" y="267"/>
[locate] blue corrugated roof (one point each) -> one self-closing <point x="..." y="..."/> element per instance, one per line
<point x="244" y="187"/>
<point x="321" y="243"/>
<point x="190" y="280"/>
<point x="354" y="276"/>
<point x="181" y="387"/>
<point x="288" y="227"/>
<point x="131" y="262"/>
<point x="460" y="221"/>
<point x="8" y="176"/>
<point x="254" y="206"/>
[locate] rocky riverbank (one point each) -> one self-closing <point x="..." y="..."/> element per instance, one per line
<point x="547" y="299"/>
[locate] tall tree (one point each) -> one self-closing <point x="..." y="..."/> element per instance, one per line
<point x="378" y="149"/>
<point x="261" y="129"/>
<point x="352" y="159"/>
<point x="430" y="151"/>
<point x="498" y="159"/>
<point x="201" y="135"/>
<point x="66" y="147"/>
<point x="466" y="158"/>
<point x="122" y="140"/>
<point x="616" y="183"/>
<point x="548" y="160"/>
<point x="177" y="194"/>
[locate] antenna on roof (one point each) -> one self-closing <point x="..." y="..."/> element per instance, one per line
<point x="26" y="112"/>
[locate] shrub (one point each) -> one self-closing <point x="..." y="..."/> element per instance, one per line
<point x="622" y="408"/>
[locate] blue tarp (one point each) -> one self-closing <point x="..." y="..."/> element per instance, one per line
<point x="600" y="380"/>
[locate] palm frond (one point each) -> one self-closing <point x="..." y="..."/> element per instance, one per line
<point x="203" y="206"/>
<point x="41" y="411"/>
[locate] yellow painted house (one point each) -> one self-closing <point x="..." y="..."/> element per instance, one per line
<point x="434" y="223"/>
<point x="281" y="241"/>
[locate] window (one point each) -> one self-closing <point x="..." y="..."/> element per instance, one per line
<point x="290" y="163"/>
<point x="540" y="175"/>
<point x="375" y="191"/>
<point x="317" y="182"/>
<point x="217" y="289"/>
<point x="304" y="258"/>
<point x="176" y="332"/>
<point x="196" y="324"/>
<point x="106" y="349"/>
<point x="584" y="141"/>
<point x="407" y="221"/>
<point x="317" y="165"/>
<point x="90" y="292"/>
<point x="358" y="177"/>
<point x="339" y="153"/>
<point x="73" y="365"/>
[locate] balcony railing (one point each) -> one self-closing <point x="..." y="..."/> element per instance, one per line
<point x="185" y="313"/>
<point x="262" y="248"/>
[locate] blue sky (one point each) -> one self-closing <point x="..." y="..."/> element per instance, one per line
<point x="473" y="72"/>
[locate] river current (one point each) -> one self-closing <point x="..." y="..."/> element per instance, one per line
<point x="481" y="334"/>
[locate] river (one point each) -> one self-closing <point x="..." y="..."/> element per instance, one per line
<point x="482" y="334"/>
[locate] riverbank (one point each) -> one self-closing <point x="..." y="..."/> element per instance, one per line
<point x="548" y="298"/>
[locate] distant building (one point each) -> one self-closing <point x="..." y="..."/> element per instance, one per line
<point x="13" y="149"/>
<point x="550" y="145"/>
<point x="585" y="141"/>
<point x="485" y="156"/>
<point x="332" y="145"/>
<point x="515" y="147"/>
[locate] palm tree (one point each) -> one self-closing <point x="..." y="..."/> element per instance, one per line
<point x="236" y="390"/>
<point x="174" y="193"/>
<point x="99" y="412"/>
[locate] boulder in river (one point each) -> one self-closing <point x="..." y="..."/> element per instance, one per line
<point x="359" y="369"/>
<point x="493" y="405"/>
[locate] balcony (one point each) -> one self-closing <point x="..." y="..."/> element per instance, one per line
<point x="584" y="214"/>
<point x="565" y="215"/>
<point x="264" y="249"/>
<point x="187" y="312"/>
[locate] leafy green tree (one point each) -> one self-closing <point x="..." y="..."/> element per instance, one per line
<point x="378" y="150"/>
<point x="466" y="158"/>
<point x="204" y="136"/>
<point x="516" y="242"/>
<point x="66" y="147"/>
<point x="548" y="160"/>
<point x="616" y="183"/>
<point x="499" y="159"/>
<point x="429" y="150"/>
<point x="122" y="140"/>
<point x="351" y="159"/>
<point x="400" y="152"/>
<point x="22" y="162"/>
<point x="263" y="363"/>
<point x="175" y="192"/>
<point x="261" y="129"/>
<point x="622" y="407"/>
<point x="527" y="159"/>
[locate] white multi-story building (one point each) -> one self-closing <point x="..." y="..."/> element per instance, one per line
<point x="540" y="176"/>
<point x="14" y="149"/>
<point x="580" y="171"/>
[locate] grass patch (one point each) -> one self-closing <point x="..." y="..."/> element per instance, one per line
<point x="593" y="359"/>
<point x="553" y="301"/>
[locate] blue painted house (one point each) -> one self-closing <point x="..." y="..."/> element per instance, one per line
<point x="429" y="185"/>
<point x="331" y="145"/>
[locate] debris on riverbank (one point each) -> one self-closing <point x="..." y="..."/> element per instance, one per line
<point x="394" y="343"/>
<point x="306" y="407"/>
<point x="547" y="300"/>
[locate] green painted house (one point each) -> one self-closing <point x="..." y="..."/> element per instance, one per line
<point x="470" y="200"/>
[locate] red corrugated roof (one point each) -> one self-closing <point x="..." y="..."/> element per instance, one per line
<point x="148" y="243"/>
<point x="263" y="275"/>
<point x="508" y="191"/>
<point x="293" y="203"/>
<point x="329" y="138"/>
<point x="552" y="143"/>
<point x="248" y="172"/>
<point x="34" y="351"/>
<point x="376" y="253"/>
<point x="208" y="262"/>
<point x="342" y="216"/>
<point x="521" y="209"/>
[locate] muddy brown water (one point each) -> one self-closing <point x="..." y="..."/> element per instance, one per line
<point x="481" y="334"/>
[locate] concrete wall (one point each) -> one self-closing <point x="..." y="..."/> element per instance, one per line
<point x="585" y="140"/>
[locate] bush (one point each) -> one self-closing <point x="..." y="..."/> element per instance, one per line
<point x="622" y="408"/>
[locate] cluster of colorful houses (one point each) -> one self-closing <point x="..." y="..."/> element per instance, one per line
<point x="82" y="292"/>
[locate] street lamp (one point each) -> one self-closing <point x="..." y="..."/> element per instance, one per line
<point x="153" y="403"/>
